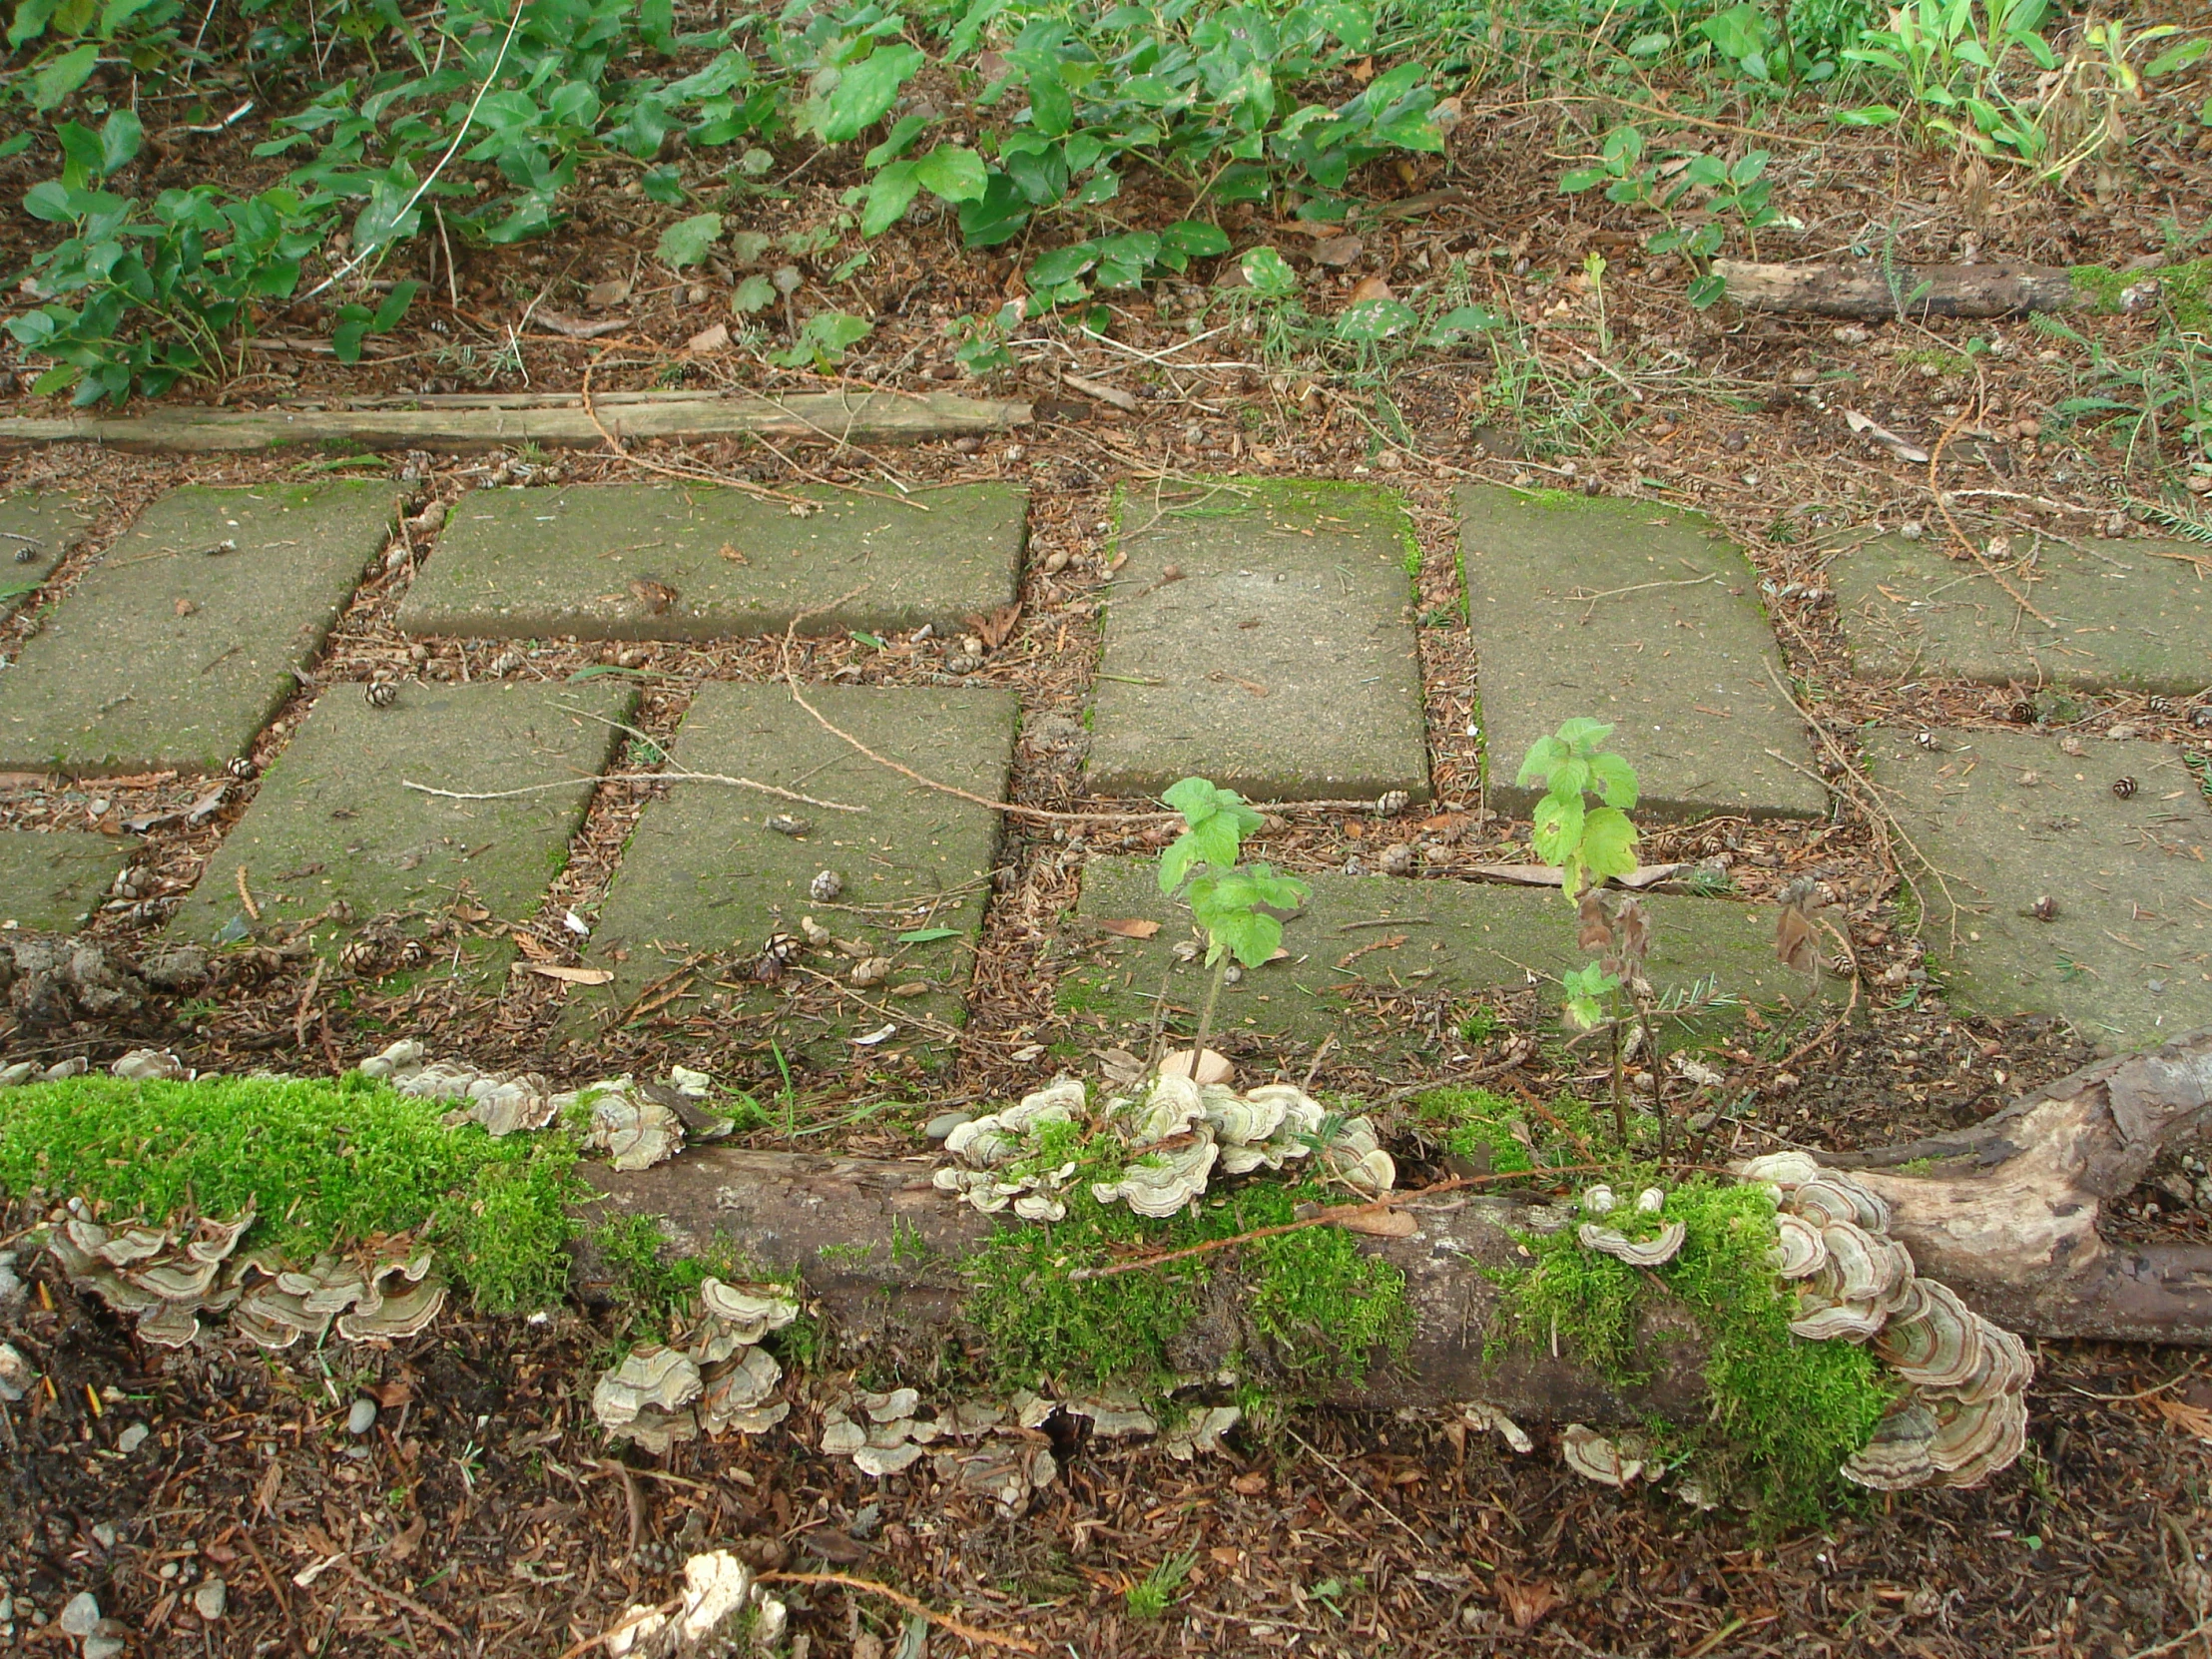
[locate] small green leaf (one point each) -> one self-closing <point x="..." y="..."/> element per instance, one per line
<point x="1269" y="274"/>
<point x="952" y="174"/>
<point x="755" y="294"/>
<point x="1615" y="780"/>
<point x="928" y="935"/>
<point x="687" y="240"/>
<point x="867" y="639"/>
<point x="1582" y="734"/>
<point x="1543" y="755"/>
<point x="1559" y="830"/>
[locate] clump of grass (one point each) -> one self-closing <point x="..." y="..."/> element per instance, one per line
<point x="1786" y="1413"/>
<point x="1152" y="1595"/>
<point x="1476" y="1124"/>
<point x="327" y="1163"/>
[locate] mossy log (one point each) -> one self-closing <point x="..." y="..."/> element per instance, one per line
<point x="2006" y="1214"/>
<point x="1867" y="290"/>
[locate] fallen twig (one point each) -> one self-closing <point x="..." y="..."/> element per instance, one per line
<point x="1016" y="1644"/>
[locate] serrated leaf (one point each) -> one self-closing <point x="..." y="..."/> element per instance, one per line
<point x="1195" y="797"/>
<point x="1615" y="780"/>
<point x="1583" y="734"/>
<point x="1608" y="843"/>
<point x="1558" y="829"/>
<point x="755" y="294"/>
<point x="1570" y="778"/>
<point x="1544" y="754"/>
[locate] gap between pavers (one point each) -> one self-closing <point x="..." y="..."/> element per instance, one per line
<point x="704" y="876"/>
<point x="2137" y="617"/>
<point x="1639" y="614"/>
<point x="695" y="562"/>
<point x="169" y="653"/>
<point x="333" y="820"/>
<point x="1277" y="659"/>
<point x="37" y="532"/>
<point x="1419" y="939"/>
<point x="51" y="882"/>
<point x="2008" y="818"/>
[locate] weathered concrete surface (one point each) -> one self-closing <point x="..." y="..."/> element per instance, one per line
<point x="37" y="532"/>
<point x="1637" y="615"/>
<point x="693" y="562"/>
<point x="2008" y="818"/>
<point x="705" y="876"/>
<point x="50" y="883"/>
<point x="1421" y="938"/>
<point x="333" y="821"/>
<point x="1279" y="661"/>
<point x="168" y="654"/>
<point x="2125" y="618"/>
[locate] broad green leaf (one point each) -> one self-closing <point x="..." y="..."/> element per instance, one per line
<point x="889" y="194"/>
<point x="1283" y="893"/>
<point x="1615" y="780"/>
<point x="756" y="293"/>
<point x="1576" y="180"/>
<point x="1558" y="829"/>
<point x="1544" y="754"/>
<point x="31" y="18"/>
<point x="1371" y="322"/>
<point x="1195" y="238"/>
<point x="1583" y="734"/>
<point x="903" y="133"/>
<point x="1062" y="265"/>
<point x="1570" y="778"/>
<point x="1608" y="843"/>
<point x="1195" y="797"/>
<point x="59" y="77"/>
<point x="952" y="174"/>
<point x="1269" y="274"/>
<point x="119" y="137"/>
<point x="865" y="91"/>
<point x="1708" y="291"/>
<point x="688" y="240"/>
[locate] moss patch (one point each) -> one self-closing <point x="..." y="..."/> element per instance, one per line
<point x="1325" y="1306"/>
<point x="2182" y="287"/>
<point x="326" y="1164"/>
<point x="1785" y="1413"/>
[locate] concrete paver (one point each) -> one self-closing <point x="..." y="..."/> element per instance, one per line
<point x="37" y="532"/>
<point x="51" y="882"/>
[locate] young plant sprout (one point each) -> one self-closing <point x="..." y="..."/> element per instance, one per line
<point x="1237" y="906"/>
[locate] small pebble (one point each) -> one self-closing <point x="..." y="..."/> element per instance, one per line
<point x="944" y="1123"/>
<point x="210" y="1599"/>
<point x="103" y="1535"/>
<point x="81" y="1615"/>
<point x="16" y="1372"/>
<point x="104" y="1647"/>
<point x="132" y="1438"/>
<point x="362" y="1418"/>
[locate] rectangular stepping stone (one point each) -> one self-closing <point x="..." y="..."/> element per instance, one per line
<point x="705" y="875"/>
<point x="179" y="644"/>
<point x="2139" y="617"/>
<point x="697" y="562"/>
<point x="50" y="883"/>
<point x="1638" y="615"/>
<point x="2008" y="818"/>
<point x="1422" y="938"/>
<point x="333" y="820"/>
<point x="1261" y="635"/>
<point x="37" y="532"/>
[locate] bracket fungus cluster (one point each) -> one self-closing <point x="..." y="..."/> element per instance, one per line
<point x="1962" y="1414"/>
<point x="1603" y="1236"/>
<point x="717" y="1380"/>
<point x="167" y="1276"/>
<point x="505" y="1103"/>
<point x="998" y="1452"/>
<point x="1178" y="1132"/>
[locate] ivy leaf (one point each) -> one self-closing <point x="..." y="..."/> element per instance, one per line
<point x="687" y="240"/>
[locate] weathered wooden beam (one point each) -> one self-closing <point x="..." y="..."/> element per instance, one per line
<point x="863" y="417"/>
<point x="1918" y="291"/>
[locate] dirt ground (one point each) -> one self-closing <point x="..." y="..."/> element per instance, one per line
<point x="484" y="1513"/>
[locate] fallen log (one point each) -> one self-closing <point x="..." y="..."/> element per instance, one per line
<point x="2006" y="1214"/>
<point x="839" y="417"/>
<point x="1870" y="292"/>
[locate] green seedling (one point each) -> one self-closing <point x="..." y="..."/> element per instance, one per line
<point x="1241" y="908"/>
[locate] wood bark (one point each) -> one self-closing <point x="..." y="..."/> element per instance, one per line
<point x="1920" y="291"/>
<point x="2004" y="1213"/>
<point x="870" y="417"/>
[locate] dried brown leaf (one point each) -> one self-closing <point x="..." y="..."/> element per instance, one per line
<point x="1130" y="928"/>
<point x="1526" y="1604"/>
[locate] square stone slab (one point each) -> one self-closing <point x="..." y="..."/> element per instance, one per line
<point x="1424" y="937"/>
<point x="333" y="819"/>
<point x="37" y="532"/>
<point x="51" y="883"/>
<point x="2008" y="818"/>
<point x="1641" y="616"/>
<point x="2129" y="618"/>
<point x="697" y="562"/>
<point x="168" y="654"/>
<point x="1280" y="662"/>
<point x="704" y="874"/>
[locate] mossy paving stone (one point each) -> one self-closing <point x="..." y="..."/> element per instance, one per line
<point x="1641" y="616"/>
<point x="333" y="820"/>
<point x="1425" y="938"/>
<point x="168" y="653"/>
<point x="601" y="561"/>
<point x="2133" y="617"/>
<point x="50" y="882"/>
<point x="705" y="875"/>
<point x="1280" y="662"/>
<point x="37" y="533"/>
<point x="2008" y="818"/>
